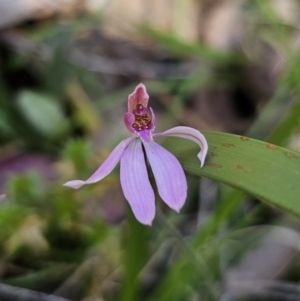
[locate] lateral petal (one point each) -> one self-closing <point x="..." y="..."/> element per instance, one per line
<point x="169" y="175"/>
<point x="188" y="133"/>
<point x="106" y="168"/>
<point x="135" y="183"/>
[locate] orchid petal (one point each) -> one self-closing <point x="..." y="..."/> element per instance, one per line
<point x="189" y="133"/>
<point x="169" y="175"/>
<point x="153" y="119"/>
<point x="106" y="168"/>
<point x="138" y="96"/>
<point x="128" y="121"/>
<point x="145" y="135"/>
<point x="135" y="183"/>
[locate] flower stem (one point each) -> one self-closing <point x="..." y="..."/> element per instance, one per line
<point x="202" y="270"/>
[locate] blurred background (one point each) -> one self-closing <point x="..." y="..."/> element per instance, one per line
<point x="66" y="68"/>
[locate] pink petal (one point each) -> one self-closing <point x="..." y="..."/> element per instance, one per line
<point x="153" y="119"/>
<point x="135" y="183"/>
<point x="169" y="175"/>
<point x="128" y="121"/>
<point x="138" y="96"/>
<point x="145" y="135"/>
<point x="106" y="168"/>
<point x="188" y="133"/>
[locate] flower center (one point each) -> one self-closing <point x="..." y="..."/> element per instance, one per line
<point x="142" y="118"/>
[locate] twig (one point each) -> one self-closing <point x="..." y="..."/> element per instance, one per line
<point x="8" y="292"/>
<point x="266" y="289"/>
<point x="98" y="63"/>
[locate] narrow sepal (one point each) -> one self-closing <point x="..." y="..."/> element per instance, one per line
<point x="169" y="175"/>
<point x="135" y="183"/>
<point x="106" y="168"/>
<point x="189" y="133"/>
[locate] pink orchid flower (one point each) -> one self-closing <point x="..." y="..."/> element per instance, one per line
<point x="168" y="173"/>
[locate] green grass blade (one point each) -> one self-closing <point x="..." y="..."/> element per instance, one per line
<point x="135" y="258"/>
<point x="286" y="126"/>
<point x="261" y="169"/>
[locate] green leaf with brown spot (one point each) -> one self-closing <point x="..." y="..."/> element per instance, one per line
<point x="264" y="170"/>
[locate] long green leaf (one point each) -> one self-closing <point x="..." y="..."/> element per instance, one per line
<point x="268" y="172"/>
